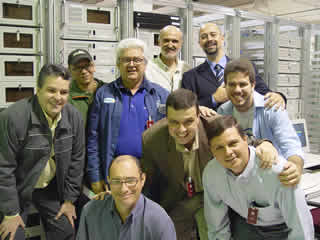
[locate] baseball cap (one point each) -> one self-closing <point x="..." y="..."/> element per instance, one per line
<point x="77" y="55"/>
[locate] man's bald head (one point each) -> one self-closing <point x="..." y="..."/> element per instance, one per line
<point x="170" y="41"/>
<point x="211" y="40"/>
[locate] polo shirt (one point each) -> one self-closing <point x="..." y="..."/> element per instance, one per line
<point x="147" y="220"/>
<point x="133" y="121"/>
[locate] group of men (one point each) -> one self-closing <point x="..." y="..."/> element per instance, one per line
<point x="146" y="129"/>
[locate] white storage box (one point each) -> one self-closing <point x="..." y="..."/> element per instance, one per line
<point x="88" y="22"/>
<point x="288" y="80"/>
<point x="290" y="92"/>
<point x="103" y="53"/>
<point x="21" y="40"/>
<point x="106" y="73"/>
<point x="11" y="92"/>
<point x="21" y="12"/>
<point x="289" y="67"/>
<point x="19" y="68"/>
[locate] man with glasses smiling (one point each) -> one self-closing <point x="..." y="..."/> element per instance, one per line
<point x="84" y="84"/>
<point x="121" y="111"/>
<point x="126" y="213"/>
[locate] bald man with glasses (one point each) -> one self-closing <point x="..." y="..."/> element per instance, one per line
<point x="126" y="213"/>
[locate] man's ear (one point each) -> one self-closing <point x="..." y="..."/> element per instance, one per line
<point x="245" y="137"/>
<point x="143" y="178"/>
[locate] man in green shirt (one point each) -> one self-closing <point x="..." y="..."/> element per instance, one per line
<point x="84" y="85"/>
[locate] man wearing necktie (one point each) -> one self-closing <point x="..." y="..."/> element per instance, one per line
<point x="206" y="79"/>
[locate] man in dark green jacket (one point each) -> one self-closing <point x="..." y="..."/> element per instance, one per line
<point x="84" y="85"/>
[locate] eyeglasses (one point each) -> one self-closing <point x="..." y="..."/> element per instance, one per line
<point x="135" y="60"/>
<point x="80" y="68"/>
<point x="131" y="182"/>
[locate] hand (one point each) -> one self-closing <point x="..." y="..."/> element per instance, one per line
<point x="69" y="211"/>
<point x="274" y="99"/>
<point x="101" y="196"/>
<point x="207" y="112"/>
<point x="220" y="96"/>
<point x="267" y="154"/>
<point x="10" y="226"/>
<point x="291" y="174"/>
<point x="98" y="187"/>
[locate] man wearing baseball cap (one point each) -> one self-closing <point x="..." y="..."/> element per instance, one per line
<point x="84" y="85"/>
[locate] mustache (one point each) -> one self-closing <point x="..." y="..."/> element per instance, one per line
<point x="170" y="48"/>
<point x="214" y="42"/>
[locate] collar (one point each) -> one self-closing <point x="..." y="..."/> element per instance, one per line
<point x="164" y="67"/>
<point x="258" y="100"/>
<point x="76" y="92"/>
<point x="135" y="211"/>
<point x="195" y="145"/>
<point x="145" y="84"/>
<point x="222" y="62"/>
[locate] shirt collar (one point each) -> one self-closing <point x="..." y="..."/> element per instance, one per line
<point x="49" y="119"/>
<point x="135" y="211"/>
<point x="222" y="62"/>
<point x="195" y="145"/>
<point x="144" y="85"/>
<point x="163" y="66"/>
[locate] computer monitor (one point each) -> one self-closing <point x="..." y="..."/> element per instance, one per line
<point x="300" y="126"/>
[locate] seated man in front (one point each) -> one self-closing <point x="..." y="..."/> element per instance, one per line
<point x="126" y="213"/>
<point x="263" y="207"/>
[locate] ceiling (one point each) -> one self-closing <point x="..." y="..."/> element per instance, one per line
<point x="307" y="11"/>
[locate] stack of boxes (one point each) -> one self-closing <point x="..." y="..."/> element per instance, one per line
<point x="21" y="48"/>
<point x="95" y="29"/>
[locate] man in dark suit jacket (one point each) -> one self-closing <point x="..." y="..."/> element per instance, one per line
<point x="206" y="80"/>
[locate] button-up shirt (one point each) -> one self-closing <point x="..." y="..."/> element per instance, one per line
<point x="159" y="73"/>
<point x="277" y="203"/>
<point x="49" y="170"/>
<point x="191" y="162"/>
<point x="147" y="220"/>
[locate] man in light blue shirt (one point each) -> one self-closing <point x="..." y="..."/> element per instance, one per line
<point x="126" y="214"/>
<point x="263" y="207"/>
<point x="247" y="106"/>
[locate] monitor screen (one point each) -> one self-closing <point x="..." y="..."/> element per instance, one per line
<point x="300" y="130"/>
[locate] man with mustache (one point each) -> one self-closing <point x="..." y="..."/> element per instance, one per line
<point x="125" y="213"/>
<point x="167" y="69"/>
<point x="42" y="151"/>
<point x="206" y="80"/>
<point x="84" y="84"/>
<point x="121" y="111"/>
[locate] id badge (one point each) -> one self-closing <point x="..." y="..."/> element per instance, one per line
<point x="149" y="123"/>
<point x="252" y="214"/>
<point x="190" y="187"/>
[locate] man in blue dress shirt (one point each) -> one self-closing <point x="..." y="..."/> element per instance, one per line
<point x="126" y="214"/>
<point x="263" y="207"/>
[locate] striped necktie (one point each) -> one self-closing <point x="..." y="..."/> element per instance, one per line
<point x="219" y="73"/>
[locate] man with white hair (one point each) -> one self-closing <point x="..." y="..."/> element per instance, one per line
<point x="121" y="111"/>
<point x="166" y="69"/>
